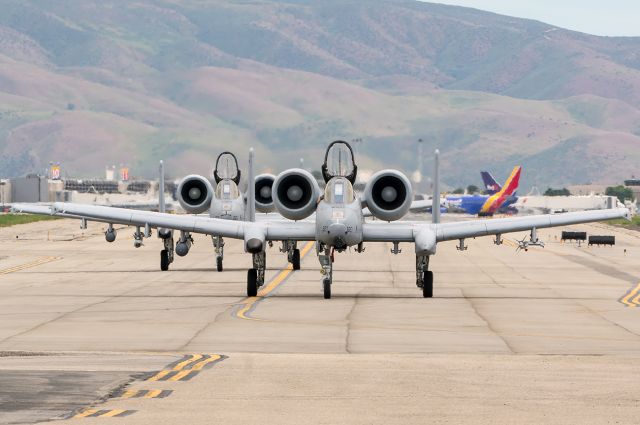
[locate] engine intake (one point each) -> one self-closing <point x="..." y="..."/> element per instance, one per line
<point x="194" y="194"/>
<point x="388" y="195"/>
<point x="295" y="194"/>
<point x="264" y="193"/>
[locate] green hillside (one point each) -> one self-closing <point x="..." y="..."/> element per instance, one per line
<point x="91" y="83"/>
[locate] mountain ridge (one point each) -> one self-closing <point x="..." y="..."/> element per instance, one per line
<point x="182" y="79"/>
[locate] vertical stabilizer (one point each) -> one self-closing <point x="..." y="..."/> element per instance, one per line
<point x="490" y="184"/>
<point x="161" y="205"/>
<point x="251" y="189"/>
<point x="435" y="202"/>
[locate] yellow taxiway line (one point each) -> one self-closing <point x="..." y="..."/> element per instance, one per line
<point x="249" y="302"/>
<point x="33" y="263"/>
<point x="632" y="297"/>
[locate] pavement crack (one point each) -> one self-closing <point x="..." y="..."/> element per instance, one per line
<point x="488" y="324"/>
<point x="347" y="339"/>
<point x="69" y="313"/>
<point x="206" y="326"/>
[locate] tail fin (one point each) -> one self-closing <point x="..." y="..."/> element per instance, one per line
<point x="490" y="184"/>
<point x="511" y="185"/>
<point x="435" y="202"/>
<point x="251" y="189"/>
<point x="161" y="205"/>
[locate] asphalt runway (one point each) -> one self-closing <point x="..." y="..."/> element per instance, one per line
<point x="92" y="332"/>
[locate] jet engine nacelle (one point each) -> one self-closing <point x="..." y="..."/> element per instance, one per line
<point x="264" y="191"/>
<point x="195" y="194"/>
<point x="295" y="194"/>
<point x="388" y="195"/>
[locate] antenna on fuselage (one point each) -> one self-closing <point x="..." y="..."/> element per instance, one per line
<point x="161" y="205"/>
<point x="251" y="189"/>
<point x="435" y="202"/>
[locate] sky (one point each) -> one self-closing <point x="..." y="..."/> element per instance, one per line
<point x="598" y="17"/>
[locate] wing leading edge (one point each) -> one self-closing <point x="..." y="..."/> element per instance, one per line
<point x="407" y="231"/>
<point x="280" y="230"/>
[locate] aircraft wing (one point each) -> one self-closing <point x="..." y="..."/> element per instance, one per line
<point x="485" y="227"/>
<point x="279" y="230"/>
<point x="407" y="231"/>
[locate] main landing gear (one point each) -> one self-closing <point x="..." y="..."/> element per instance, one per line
<point x="424" y="276"/>
<point x="255" y="276"/>
<point x="218" y="244"/>
<point x="166" y="255"/>
<point x="326" y="262"/>
<point x="293" y="253"/>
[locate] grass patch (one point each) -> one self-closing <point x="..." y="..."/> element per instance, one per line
<point x="7" y="220"/>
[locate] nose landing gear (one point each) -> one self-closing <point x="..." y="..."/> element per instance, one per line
<point x="326" y="262"/>
<point x="218" y="244"/>
<point x="424" y="276"/>
<point x="255" y="276"/>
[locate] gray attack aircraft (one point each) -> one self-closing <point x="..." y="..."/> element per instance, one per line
<point x="338" y="222"/>
<point x="196" y="195"/>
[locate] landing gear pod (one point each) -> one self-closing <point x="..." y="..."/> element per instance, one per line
<point x="295" y="194"/>
<point x="264" y="193"/>
<point x="194" y="194"/>
<point x="388" y="195"/>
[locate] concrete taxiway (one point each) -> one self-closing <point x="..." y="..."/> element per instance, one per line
<point x="93" y="332"/>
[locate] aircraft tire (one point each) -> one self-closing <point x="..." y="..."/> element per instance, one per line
<point x="427" y="286"/>
<point x="326" y="286"/>
<point x="164" y="260"/>
<point x="295" y="260"/>
<point x="252" y="283"/>
<point x="219" y="263"/>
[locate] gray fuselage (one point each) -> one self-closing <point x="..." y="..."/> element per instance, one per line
<point x="339" y="216"/>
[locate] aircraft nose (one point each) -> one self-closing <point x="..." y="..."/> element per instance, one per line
<point x="338" y="234"/>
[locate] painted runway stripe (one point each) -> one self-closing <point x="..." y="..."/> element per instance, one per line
<point x="632" y="297"/>
<point x="146" y="394"/>
<point x="29" y="265"/>
<point x="94" y="413"/>
<point x="186" y="361"/>
<point x="249" y="303"/>
<point x="187" y="368"/>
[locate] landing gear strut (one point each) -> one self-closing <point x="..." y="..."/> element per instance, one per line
<point x="218" y="244"/>
<point x="293" y="253"/>
<point x="166" y="255"/>
<point x="255" y="276"/>
<point x="326" y="262"/>
<point x="424" y="276"/>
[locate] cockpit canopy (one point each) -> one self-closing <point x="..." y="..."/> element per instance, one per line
<point x="339" y="190"/>
<point x="227" y="190"/>
<point x="339" y="162"/>
<point x="227" y="168"/>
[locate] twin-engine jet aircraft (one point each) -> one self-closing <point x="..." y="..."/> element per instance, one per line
<point x="338" y="223"/>
<point x="197" y="195"/>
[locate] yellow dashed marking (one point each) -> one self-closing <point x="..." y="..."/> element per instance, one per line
<point x="112" y="413"/>
<point x="159" y="375"/>
<point x="184" y="363"/>
<point x="203" y="363"/>
<point x="249" y="302"/>
<point x="180" y="375"/>
<point x="186" y="369"/>
<point x="152" y="394"/>
<point x="33" y="263"/>
<point x="86" y="413"/>
<point x="632" y="297"/>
